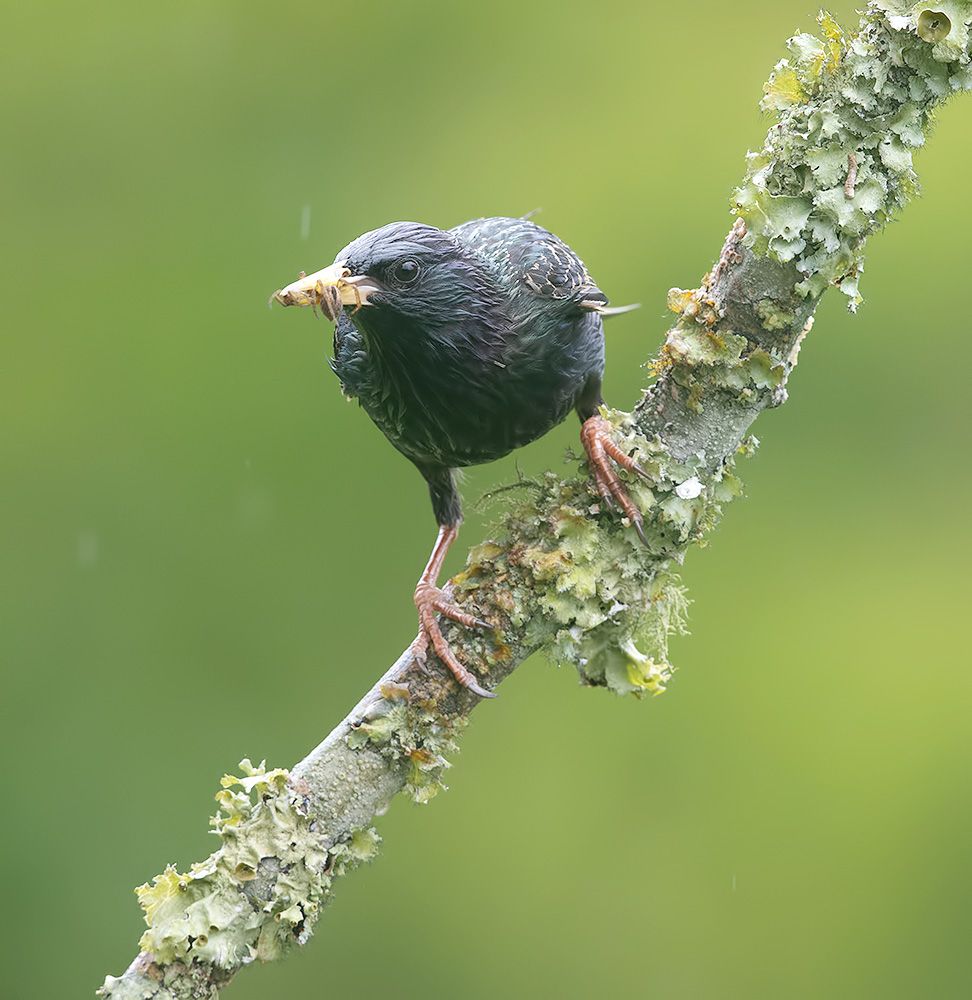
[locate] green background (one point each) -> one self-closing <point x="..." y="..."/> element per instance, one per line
<point x="206" y="553"/>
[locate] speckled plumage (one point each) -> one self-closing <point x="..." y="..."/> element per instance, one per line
<point x="493" y="344"/>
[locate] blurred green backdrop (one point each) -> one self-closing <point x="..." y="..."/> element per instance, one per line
<point x="207" y="553"/>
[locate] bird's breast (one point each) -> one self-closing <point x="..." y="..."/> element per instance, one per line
<point x="459" y="402"/>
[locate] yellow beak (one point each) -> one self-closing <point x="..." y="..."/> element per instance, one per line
<point x="329" y="289"/>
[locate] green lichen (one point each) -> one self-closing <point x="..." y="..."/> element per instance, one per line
<point x="694" y="304"/>
<point x="772" y="317"/>
<point x="851" y="113"/>
<point x="701" y="360"/>
<point x="594" y="596"/>
<point x="413" y="735"/>
<point x="617" y="609"/>
<point x="262" y="891"/>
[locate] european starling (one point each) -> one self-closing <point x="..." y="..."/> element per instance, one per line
<point x="462" y="345"/>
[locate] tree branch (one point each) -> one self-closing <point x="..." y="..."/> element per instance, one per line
<point x="566" y="575"/>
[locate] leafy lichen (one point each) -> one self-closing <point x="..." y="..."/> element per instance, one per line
<point x="413" y="735"/>
<point x="212" y="915"/>
<point x="851" y="112"/>
<point x="607" y="602"/>
<point x="618" y="602"/>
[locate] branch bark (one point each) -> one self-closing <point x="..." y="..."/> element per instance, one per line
<point x="567" y="576"/>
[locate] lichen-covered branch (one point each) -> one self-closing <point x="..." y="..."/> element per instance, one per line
<point x="566" y="575"/>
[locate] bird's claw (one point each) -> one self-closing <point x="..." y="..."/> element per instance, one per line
<point x="430" y="602"/>
<point x="602" y="451"/>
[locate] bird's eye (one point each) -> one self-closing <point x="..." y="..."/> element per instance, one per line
<point x="406" y="271"/>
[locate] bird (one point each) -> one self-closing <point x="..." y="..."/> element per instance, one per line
<point x="462" y="345"/>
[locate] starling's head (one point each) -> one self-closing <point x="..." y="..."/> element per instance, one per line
<point x="402" y="275"/>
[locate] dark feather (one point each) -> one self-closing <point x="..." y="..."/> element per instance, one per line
<point x="497" y="340"/>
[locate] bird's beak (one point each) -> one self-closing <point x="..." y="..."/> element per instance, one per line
<point x="330" y="289"/>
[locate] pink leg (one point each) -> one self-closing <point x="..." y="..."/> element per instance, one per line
<point x="601" y="451"/>
<point x="430" y="600"/>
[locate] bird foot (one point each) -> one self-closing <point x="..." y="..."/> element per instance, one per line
<point x="431" y="601"/>
<point x="602" y="453"/>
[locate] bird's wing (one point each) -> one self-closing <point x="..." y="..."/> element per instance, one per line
<point x="529" y="257"/>
<point x="554" y="270"/>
